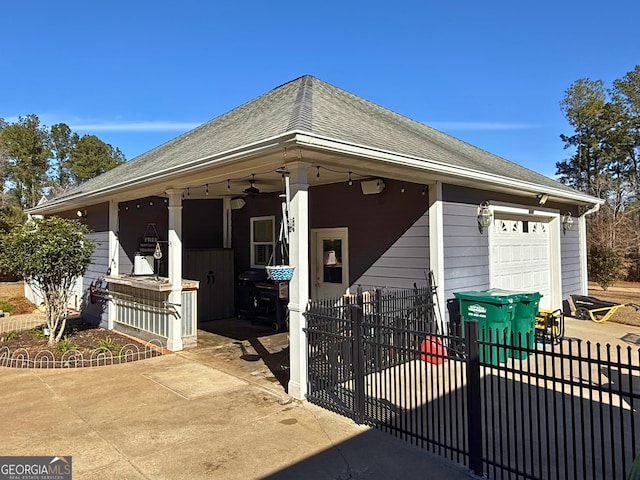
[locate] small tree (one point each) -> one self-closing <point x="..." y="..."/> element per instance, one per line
<point x="49" y="254"/>
<point x="605" y="265"/>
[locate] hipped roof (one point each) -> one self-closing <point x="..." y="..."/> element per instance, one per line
<point x="313" y="107"/>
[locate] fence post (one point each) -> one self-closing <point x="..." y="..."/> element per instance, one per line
<point x="358" y="364"/>
<point x="474" y="399"/>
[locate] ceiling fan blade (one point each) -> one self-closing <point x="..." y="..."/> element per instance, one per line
<point x="251" y="190"/>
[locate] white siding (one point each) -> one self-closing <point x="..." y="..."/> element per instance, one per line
<point x="570" y="258"/>
<point x="96" y="312"/>
<point x="466" y="250"/>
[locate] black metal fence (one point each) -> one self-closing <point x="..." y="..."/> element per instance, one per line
<point x="396" y="319"/>
<point x="557" y="411"/>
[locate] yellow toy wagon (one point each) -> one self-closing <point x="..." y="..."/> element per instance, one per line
<point x="593" y="308"/>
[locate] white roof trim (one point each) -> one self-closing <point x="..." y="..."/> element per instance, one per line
<point x="306" y="139"/>
<point x="338" y="146"/>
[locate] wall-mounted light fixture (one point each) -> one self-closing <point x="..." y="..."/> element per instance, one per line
<point x="485" y="216"/>
<point x="542" y="198"/>
<point x="372" y="187"/>
<point x="237" y="203"/>
<point x="81" y="213"/>
<point x="567" y="222"/>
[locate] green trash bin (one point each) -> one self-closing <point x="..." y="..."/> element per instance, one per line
<point x="494" y="314"/>
<point x="523" y="324"/>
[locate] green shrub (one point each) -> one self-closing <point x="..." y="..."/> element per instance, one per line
<point x="604" y="265"/>
<point x="10" y="336"/>
<point x="65" y="345"/>
<point x="6" y="306"/>
<point x="39" y="332"/>
<point x="106" y="345"/>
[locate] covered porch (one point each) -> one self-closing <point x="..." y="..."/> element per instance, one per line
<point x="341" y="221"/>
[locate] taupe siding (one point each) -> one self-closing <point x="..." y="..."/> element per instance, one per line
<point x="202" y="223"/>
<point x="386" y="230"/>
<point x="133" y="218"/>
<point x="405" y="262"/>
<point x="201" y="226"/>
<point x="263" y="205"/>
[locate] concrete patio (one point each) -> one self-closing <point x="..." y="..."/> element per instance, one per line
<point x="206" y="413"/>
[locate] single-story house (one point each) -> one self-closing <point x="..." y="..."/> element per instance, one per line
<point x="376" y="199"/>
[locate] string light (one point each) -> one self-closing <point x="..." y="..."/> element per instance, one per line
<point x="252" y="180"/>
<point x="402" y="187"/>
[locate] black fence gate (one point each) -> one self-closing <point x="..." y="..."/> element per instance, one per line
<point x="556" y="411"/>
<point x="367" y="360"/>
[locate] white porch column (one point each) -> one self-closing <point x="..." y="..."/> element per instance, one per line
<point x="114" y="252"/>
<point x="582" y="246"/>
<point x="436" y="247"/>
<point x="174" y="340"/>
<point x="226" y="222"/>
<point x="299" y="285"/>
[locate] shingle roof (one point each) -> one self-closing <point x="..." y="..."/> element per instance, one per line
<point x="310" y="105"/>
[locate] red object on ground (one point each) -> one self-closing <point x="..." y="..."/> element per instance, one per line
<point x="432" y="350"/>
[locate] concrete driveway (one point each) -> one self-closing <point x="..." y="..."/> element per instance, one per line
<point x="214" y="411"/>
<point x="203" y="413"/>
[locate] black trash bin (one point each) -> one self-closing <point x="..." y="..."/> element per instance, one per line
<point x="455" y="328"/>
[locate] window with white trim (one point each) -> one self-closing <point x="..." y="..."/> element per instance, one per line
<point x="262" y="240"/>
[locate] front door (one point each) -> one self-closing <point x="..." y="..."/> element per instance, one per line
<point x="330" y="263"/>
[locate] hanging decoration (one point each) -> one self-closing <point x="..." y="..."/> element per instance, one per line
<point x="284" y="272"/>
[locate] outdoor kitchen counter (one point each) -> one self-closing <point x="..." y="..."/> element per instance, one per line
<point x="150" y="282"/>
<point x="141" y="307"/>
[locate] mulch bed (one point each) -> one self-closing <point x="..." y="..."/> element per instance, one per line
<point x="20" y="305"/>
<point x="85" y="337"/>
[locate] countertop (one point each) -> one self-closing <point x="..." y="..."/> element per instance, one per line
<point x="150" y="282"/>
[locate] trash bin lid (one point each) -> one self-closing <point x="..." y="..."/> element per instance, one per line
<point x="486" y="297"/>
<point x="517" y="295"/>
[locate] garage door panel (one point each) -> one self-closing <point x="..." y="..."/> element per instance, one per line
<point x="521" y="256"/>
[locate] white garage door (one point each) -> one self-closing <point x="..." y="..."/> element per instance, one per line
<point x="520" y="257"/>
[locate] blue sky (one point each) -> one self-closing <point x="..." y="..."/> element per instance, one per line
<point x="137" y="73"/>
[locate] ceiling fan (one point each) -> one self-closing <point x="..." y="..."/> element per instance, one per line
<point x="252" y="189"/>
